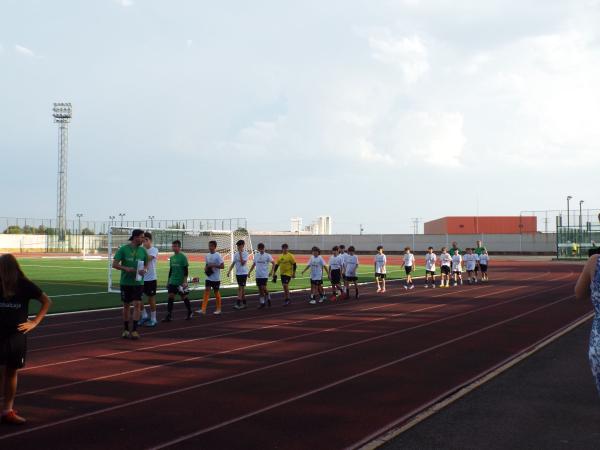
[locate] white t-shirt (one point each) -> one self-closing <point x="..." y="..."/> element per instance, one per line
<point x="214" y="258"/>
<point x="350" y="265"/>
<point x="430" y="259"/>
<point x="336" y="262"/>
<point x="262" y="261"/>
<point x="241" y="269"/>
<point x="457" y="263"/>
<point x="446" y="259"/>
<point x="470" y="261"/>
<point x="380" y="261"/>
<point x="409" y="259"/>
<point x="152" y="258"/>
<point x="484" y="259"/>
<point x="316" y="264"/>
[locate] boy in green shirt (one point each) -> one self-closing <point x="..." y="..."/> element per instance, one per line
<point x="132" y="260"/>
<point x="178" y="277"/>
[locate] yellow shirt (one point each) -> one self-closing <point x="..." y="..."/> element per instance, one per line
<point x="286" y="264"/>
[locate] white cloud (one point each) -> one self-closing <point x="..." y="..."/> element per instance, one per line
<point x="24" y="51"/>
<point x="189" y="43"/>
<point x="125" y="3"/>
<point x="408" y="54"/>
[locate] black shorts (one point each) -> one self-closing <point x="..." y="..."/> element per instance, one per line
<point x="408" y="269"/>
<point x="476" y="269"/>
<point x="214" y="285"/>
<point x="13" y="349"/>
<point x="350" y="279"/>
<point x="445" y="270"/>
<point x="430" y="272"/>
<point x="150" y="288"/>
<point x="483" y="268"/>
<point x="381" y="276"/>
<point x="132" y="293"/>
<point x="241" y="280"/>
<point x="335" y="276"/>
<point x="261" y="281"/>
<point x="173" y="289"/>
<point x="316" y="282"/>
<point x="285" y="279"/>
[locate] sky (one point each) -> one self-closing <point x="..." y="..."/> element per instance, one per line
<point x="371" y="111"/>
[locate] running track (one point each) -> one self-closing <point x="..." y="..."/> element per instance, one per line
<point x="323" y="377"/>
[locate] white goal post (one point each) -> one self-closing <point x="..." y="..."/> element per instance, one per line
<point x="194" y="245"/>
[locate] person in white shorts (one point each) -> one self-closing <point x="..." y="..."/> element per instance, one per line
<point x="316" y="265"/>
<point x="350" y="271"/>
<point x="408" y="262"/>
<point x="379" y="263"/>
<point x="445" y="267"/>
<point x="430" y="260"/>
<point x="263" y="263"/>
<point x="240" y="262"/>
<point x="484" y="261"/>
<point x="471" y="263"/>
<point x="457" y="267"/>
<point x="336" y="264"/>
<point x="150" y="283"/>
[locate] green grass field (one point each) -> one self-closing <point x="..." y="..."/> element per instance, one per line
<point x="76" y="285"/>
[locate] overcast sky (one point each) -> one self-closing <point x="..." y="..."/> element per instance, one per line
<point x="370" y="111"/>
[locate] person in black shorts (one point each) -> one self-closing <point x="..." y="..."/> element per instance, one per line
<point x="15" y="292"/>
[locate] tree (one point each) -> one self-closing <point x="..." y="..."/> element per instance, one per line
<point x="87" y="232"/>
<point x="13" y="229"/>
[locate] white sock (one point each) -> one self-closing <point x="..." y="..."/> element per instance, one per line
<point x="144" y="313"/>
<point x="153" y="315"/>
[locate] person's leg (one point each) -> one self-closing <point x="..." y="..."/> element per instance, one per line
<point x="261" y="296"/>
<point x="136" y="314"/>
<point x="267" y="296"/>
<point x="355" y="289"/>
<point x="170" y="304"/>
<point x="9" y="386"/>
<point x="126" y="307"/>
<point x="188" y="305"/>
<point x="383" y="284"/>
<point x="152" y="303"/>
<point x="378" y="281"/>
<point x="205" y="299"/>
<point x="217" y="300"/>
<point x="243" y="294"/>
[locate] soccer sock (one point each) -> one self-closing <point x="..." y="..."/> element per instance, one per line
<point x="170" y="306"/>
<point x="126" y="325"/>
<point x="144" y="312"/>
<point x="135" y="325"/>
<point x="153" y="315"/>
<point x="218" y="297"/>
<point x="205" y="300"/>
<point x="188" y="305"/>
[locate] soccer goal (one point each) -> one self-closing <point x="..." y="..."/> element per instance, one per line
<point x="194" y="244"/>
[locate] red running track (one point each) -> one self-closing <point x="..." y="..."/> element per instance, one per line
<point x="327" y="376"/>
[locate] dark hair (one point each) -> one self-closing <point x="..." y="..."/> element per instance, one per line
<point x="335" y="248"/>
<point x="260" y="246"/>
<point x="284" y="246"/>
<point x="407" y="248"/>
<point x="240" y="242"/>
<point x="341" y="246"/>
<point x="177" y="242"/>
<point x="315" y="249"/>
<point x="351" y="248"/>
<point x="148" y="235"/>
<point x="444" y="248"/>
<point x="10" y="274"/>
<point x="212" y="243"/>
<point x="429" y="248"/>
<point x="379" y="247"/>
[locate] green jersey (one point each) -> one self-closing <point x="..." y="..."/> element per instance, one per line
<point x="178" y="262"/>
<point x="129" y="256"/>
<point x="479" y="250"/>
<point x="452" y="249"/>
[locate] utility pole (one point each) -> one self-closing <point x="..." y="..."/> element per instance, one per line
<point x="62" y="113"/>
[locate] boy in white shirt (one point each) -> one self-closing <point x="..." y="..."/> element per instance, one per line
<point x="212" y="269"/>
<point x="484" y="260"/>
<point x="408" y="262"/>
<point x="343" y="254"/>
<point x="471" y="264"/>
<point x="349" y="272"/>
<point x="150" y="283"/>
<point x="261" y="263"/>
<point x="430" y="259"/>
<point x="445" y="267"/>
<point x="379" y="264"/>
<point x="336" y="264"/>
<point x="240" y="262"/>
<point x="316" y="264"/>
<point x="457" y="267"/>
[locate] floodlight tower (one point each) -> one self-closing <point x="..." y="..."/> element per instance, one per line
<point x="62" y="113"/>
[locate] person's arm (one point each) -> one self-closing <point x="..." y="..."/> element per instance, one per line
<point x="582" y="287"/>
<point x="26" y="327"/>
<point x="326" y="270"/>
<point x="306" y="268"/>
<point x="186" y="273"/>
<point x="251" y="268"/>
<point x="294" y="267"/>
<point x="231" y="266"/>
<point x="275" y="267"/>
<point x="118" y="266"/>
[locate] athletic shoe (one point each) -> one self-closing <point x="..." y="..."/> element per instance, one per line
<point x="426" y="286"/>
<point x="433" y="286"/>
<point x="237" y="306"/>
<point x="151" y="323"/>
<point x="125" y="334"/>
<point x="243" y="306"/>
<point x="143" y="320"/>
<point x="406" y="287"/>
<point x="313" y="302"/>
<point x="412" y="286"/>
<point x="135" y="335"/>
<point x="383" y="291"/>
<point x="168" y="318"/>
<point x="287" y="302"/>
<point x="217" y="312"/>
<point x="321" y="299"/>
<point x="189" y="315"/>
<point x="378" y="289"/>
<point x="200" y="312"/>
<point x="12" y="418"/>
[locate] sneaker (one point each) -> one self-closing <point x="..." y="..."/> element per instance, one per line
<point x="243" y="306"/>
<point x="426" y="286"/>
<point x="237" y="306"/>
<point x="168" y="318"/>
<point x="151" y="323"/>
<point x="406" y="287"/>
<point x="313" y="302"/>
<point x="135" y="335"/>
<point x="189" y="315"/>
<point x="217" y="312"/>
<point x="12" y="418"/>
<point x="322" y="299"/>
<point x="433" y="286"/>
<point x="383" y="291"/>
<point x="378" y="289"/>
<point x="287" y="302"/>
<point x="412" y="286"/>
<point x="125" y="334"/>
<point x="143" y="320"/>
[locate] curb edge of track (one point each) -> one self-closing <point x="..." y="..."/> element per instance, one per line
<point x="461" y="392"/>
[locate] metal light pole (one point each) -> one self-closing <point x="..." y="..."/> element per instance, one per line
<point x="580" y="223"/>
<point x="121" y="215"/>
<point x="62" y="113"/>
<point x="568" y="211"/>
<point x="79" y="216"/>
<point x="151" y="221"/>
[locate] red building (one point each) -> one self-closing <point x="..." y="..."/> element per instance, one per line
<point x="482" y="224"/>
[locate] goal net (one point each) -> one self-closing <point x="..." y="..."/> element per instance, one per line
<point x="194" y="244"/>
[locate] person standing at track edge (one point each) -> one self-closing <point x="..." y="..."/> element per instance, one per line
<point x="15" y="292"/>
<point x="150" y="282"/>
<point x="588" y="285"/>
<point x="178" y="281"/>
<point x="240" y="262"/>
<point x="287" y="268"/>
<point x="132" y="260"/>
<point x="212" y="270"/>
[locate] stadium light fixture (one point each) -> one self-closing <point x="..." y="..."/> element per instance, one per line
<point x="569" y="197"/>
